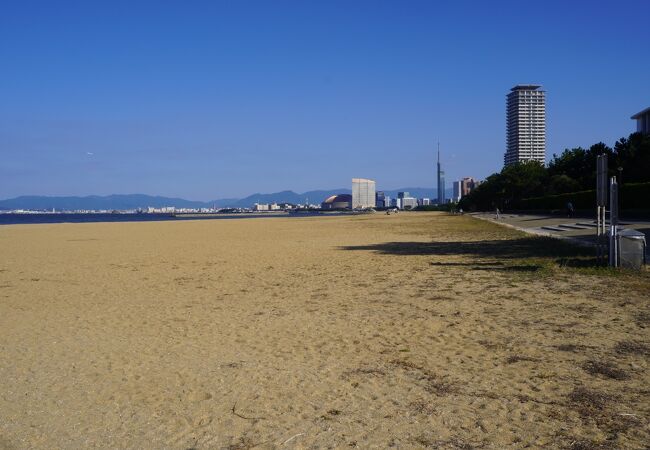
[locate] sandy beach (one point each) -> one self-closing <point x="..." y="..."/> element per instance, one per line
<point x="416" y="330"/>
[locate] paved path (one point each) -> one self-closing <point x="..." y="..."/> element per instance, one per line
<point x="579" y="229"/>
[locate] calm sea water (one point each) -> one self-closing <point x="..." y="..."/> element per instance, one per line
<point x="13" y="219"/>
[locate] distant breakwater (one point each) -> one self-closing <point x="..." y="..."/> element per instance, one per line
<point x="18" y="219"/>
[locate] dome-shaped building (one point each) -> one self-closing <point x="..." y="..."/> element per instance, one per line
<point x="340" y="201"/>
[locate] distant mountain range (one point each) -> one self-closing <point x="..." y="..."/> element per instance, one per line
<point x="133" y="201"/>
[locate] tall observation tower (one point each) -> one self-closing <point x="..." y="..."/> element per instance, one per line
<point x="441" y="181"/>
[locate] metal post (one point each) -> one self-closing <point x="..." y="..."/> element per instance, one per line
<point x="613" y="222"/>
<point x="603" y="235"/>
<point x="599" y="234"/>
<point x="601" y="207"/>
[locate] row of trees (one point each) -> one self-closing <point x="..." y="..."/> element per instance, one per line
<point x="573" y="170"/>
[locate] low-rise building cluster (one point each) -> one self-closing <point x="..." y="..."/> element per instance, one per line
<point x="463" y="187"/>
<point x="364" y="196"/>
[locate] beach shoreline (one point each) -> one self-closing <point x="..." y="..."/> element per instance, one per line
<point x="412" y="330"/>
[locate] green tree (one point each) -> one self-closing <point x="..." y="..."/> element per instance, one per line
<point x="572" y="171"/>
<point x="580" y="165"/>
<point x="504" y="189"/>
<point x="523" y="180"/>
<point x="562" y="184"/>
<point x="633" y="156"/>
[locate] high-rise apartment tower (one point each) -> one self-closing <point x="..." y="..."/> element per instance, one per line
<point x="526" y="124"/>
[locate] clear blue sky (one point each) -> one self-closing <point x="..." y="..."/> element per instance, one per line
<point x="216" y="99"/>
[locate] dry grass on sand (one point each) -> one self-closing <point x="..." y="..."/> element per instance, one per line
<point x="412" y="331"/>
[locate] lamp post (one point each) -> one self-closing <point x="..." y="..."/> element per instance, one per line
<point x="620" y="187"/>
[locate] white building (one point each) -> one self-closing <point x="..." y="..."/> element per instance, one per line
<point x="525" y="124"/>
<point x="409" y="202"/>
<point x="363" y="193"/>
<point x="260" y="207"/>
<point x="642" y="121"/>
<point x="456" y="195"/>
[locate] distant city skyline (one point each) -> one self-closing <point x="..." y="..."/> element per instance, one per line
<point x="221" y="100"/>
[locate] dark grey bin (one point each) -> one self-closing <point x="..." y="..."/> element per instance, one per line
<point x="631" y="249"/>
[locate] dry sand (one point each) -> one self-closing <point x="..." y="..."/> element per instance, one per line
<point x="408" y="331"/>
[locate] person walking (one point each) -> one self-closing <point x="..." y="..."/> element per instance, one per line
<point x="498" y="214"/>
<point x="569" y="209"/>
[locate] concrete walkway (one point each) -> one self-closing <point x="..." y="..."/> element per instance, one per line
<point x="581" y="230"/>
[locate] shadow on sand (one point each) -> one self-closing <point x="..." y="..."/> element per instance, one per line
<point x="563" y="253"/>
<point x="490" y="265"/>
